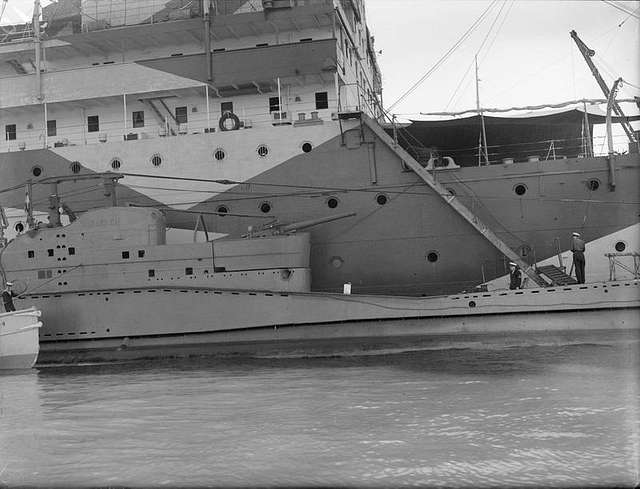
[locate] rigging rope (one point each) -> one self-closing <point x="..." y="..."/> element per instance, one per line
<point x="532" y="107"/>
<point x="445" y="56"/>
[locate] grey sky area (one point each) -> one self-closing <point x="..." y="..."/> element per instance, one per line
<point x="525" y="53"/>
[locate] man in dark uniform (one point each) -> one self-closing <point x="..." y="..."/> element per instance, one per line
<point x="7" y="298"/>
<point x="578" y="247"/>
<point x="515" y="276"/>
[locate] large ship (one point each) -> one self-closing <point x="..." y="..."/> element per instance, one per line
<point x="239" y="116"/>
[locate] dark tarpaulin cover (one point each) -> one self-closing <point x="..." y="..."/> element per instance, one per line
<point x="507" y="137"/>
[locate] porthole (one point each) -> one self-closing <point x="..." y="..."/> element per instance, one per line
<point x="332" y="203"/>
<point x="222" y="210"/>
<point x="36" y="171"/>
<point x="265" y="207"/>
<point x="156" y="160"/>
<point x="307" y="147"/>
<point x="219" y="154"/>
<point x="620" y="246"/>
<point x="451" y="191"/>
<point x="19" y="227"/>
<point x="336" y="261"/>
<point x="262" y="151"/>
<point x="75" y="167"/>
<point x="432" y="256"/>
<point x="381" y="199"/>
<point x="116" y="164"/>
<point x="593" y="184"/>
<point x="520" y="189"/>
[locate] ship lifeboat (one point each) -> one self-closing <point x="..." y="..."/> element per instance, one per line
<point x="19" y="342"/>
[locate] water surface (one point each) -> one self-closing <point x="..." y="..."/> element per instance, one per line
<point x="521" y="416"/>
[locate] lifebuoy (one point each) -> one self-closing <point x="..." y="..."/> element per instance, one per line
<point x="229" y="122"/>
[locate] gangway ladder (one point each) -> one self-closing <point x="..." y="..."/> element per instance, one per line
<point x="556" y="275"/>
<point x="453" y="202"/>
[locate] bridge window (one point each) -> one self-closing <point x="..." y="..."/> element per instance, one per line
<point x="125" y="255"/>
<point x="72" y="250"/>
<point x="138" y="118"/>
<point x="31" y="254"/>
<point x="93" y="123"/>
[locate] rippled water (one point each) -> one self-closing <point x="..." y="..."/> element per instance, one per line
<point x="554" y="415"/>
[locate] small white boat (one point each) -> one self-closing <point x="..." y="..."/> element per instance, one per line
<point x="19" y="338"/>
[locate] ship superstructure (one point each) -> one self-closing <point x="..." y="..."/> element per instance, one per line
<point x="238" y="116"/>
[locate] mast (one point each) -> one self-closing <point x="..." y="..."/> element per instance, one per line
<point x="207" y="38"/>
<point x="38" y="48"/>
<point x="587" y="54"/>
<point x="483" y="142"/>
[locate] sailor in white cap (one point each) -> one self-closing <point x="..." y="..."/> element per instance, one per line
<point x="578" y="247"/>
<point x="515" y="276"/>
<point x="7" y="297"/>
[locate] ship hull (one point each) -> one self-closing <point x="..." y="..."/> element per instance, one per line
<point x="107" y="325"/>
<point x="400" y="224"/>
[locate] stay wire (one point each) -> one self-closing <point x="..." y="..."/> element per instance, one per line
<point x="444" y="57"/>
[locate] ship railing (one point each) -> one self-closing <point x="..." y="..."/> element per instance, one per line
<point x="113" y="128"/>
<point x="616" y="261"/>
<point x="101" y="14"/>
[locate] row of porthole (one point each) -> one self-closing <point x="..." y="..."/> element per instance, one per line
<point x="219" y="154"/>
<point x="266" y="207"/>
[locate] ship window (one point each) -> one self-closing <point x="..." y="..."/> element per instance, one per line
<point x="125" y="255"/>
<point x="93" y="123"/>
<point x="42" y="274"/>
<point x="140" y="253"/>
<point x="10" y="132"/>
<point x="620" y="246"/>
<point x="188" y="271"/>
<point x="520" y="189"/>
<point x="332" y="203"/>
<point x="322" y="100"/>
<point x="76" y="167"/>
<point x="262" y="44"/>
<point x="181" y="115"/>
<point x="432" y="256"/>
<point x="156" y="160"/>
<point x="307" y="147"/>
<point x="116" y="163"/>
<point x="50" y="252"/>
<point x="222" y="210"/>
<point x="52" y="129"/>
<point x="138" y="118"/>
<point x="31" y="254"/>
<point x="152" y="273"/>
<point x="72" y="250"/>
<point x="381" y="199"/>
<point x="274" y="104"/>
<point x="226" y="107"/>
<point x="262" y="151"/>
<point x="36" y="171"/>
<point x="219" y="154"/>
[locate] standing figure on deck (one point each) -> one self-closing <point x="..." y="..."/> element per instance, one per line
<point x="7" y="298"/>
<point x="515" y="276"/>
<point x="577" y="247"/>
